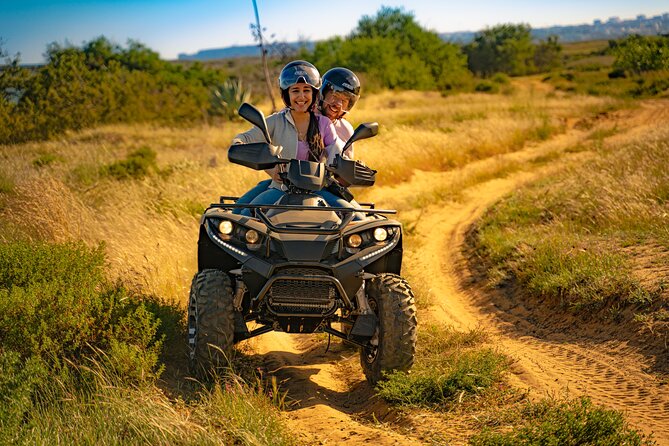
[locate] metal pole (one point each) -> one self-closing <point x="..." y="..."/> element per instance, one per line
<point x="264" y="58"/>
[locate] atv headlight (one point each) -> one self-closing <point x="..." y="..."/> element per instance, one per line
<point x="225" y="227"/>
<point x="252" y="236"/>
<point x="354" y="241"/>
<point x="380" y="234"/>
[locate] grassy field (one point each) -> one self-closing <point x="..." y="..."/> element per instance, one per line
<point x="592" y="238"/>
<point x="124" y="202"/>
<point x="589" y="69"/>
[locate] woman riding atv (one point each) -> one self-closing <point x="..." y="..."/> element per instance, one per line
<point x="298" y="131"/>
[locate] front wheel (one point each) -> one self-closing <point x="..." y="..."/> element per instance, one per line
<point x="393" y="346"/>
<point x="211" y="320"/>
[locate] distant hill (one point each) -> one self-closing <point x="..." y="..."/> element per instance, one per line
<point x="245" y="51"/>
<point x="613" y="28"/>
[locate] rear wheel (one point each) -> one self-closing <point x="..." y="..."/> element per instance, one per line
<point x="211" y="320"/>
<point x="393" y="346"/>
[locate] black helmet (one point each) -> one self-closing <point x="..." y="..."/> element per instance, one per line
<point x="341" y="80"/>
<point x="298" y="72"/>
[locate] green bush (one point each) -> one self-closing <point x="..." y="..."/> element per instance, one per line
<point x="78" y="362"/>
<point x="19" y="379"/>
<point x="500" y="78"/>
<point x="487" y="87"/>
<point x="569" y="423"/>
<point x="449" y="366"/>
<point x="638" y="54"/>
<point x="99" y="83"/>
<point x="6" y="184"/>
<point x="137" y="165"/>
<point x="55" y="304"/>
<point x="652" y="84"/>
<point x="45" y="159"/>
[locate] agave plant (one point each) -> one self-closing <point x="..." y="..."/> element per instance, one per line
<point x="227" y="97"/>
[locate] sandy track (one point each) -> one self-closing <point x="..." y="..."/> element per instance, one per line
<point x="332" y="401"/>
<point x="552" y="355"/>
<point x="328" y="399"/>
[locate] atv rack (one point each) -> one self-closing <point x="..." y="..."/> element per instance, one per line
<point x="350" y="214"/>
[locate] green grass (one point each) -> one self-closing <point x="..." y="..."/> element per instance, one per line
<point x="137" y="165"/>
<point x="457" y="372"/>
<point x="85" y="174"/>
<point x="450" y="367"/>
<point x="594" y="80"/>
<point x="80" y="362"/>
<point x="102" y="409"/>
<point x="566" y="423"/>
<point x="6" y="184"/>
<point x="45" y="159"/>
<point x="462" y="116"/>
<point x="568" y="237"/>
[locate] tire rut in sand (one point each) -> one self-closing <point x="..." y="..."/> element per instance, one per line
<point x="547" y="359"/>
<point x="330" y="402"/>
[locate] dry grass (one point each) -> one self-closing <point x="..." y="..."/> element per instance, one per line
<point x="423" y="130"/>
<point x="591" y="236"/>
<point x="150" y="225"/>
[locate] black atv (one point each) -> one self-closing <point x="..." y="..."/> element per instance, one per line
<point x="300" y="266"/>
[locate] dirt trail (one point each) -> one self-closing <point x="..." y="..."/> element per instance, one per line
<point x="333" y="402"/>
<point x="549" y="359"/>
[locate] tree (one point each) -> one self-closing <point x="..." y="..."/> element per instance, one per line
<point x="504" y="48"/>
<point x="638" y="54"/>
<point x="396" y="52"/>
<point x="548" y="54"/>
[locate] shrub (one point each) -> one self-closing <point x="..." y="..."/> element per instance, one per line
<point x="567" y="423"/>
<point x="137" y="165"/>
<point x="6" y="184"/>
<point x="638" y="54"/>
<point x="228" y="97"/>
<point x="45" y="159"/>
<point x="19" y="379"/>
<point x="449" y="365"/>
<point x="617" y="73"/>
<point x="500" y="78"/>
<point x="56" y="304"/>
<point x="98" y="83"/>
<point x="487" y="87"/>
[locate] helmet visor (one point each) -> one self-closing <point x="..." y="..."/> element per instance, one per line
<point x="337" y="97"/>
<point x="300" y="74"/>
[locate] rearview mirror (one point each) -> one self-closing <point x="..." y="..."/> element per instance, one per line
<point x="364" y="131"/>
<point x="255" y="117"/>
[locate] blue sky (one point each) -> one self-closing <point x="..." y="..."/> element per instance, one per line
<point x="186" y="26"/>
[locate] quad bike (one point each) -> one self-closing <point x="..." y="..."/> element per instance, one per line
<point x="301" y="266"/>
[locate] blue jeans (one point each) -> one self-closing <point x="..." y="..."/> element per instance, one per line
<point x="269" y="196"/>
<point x="251" y="195"/>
